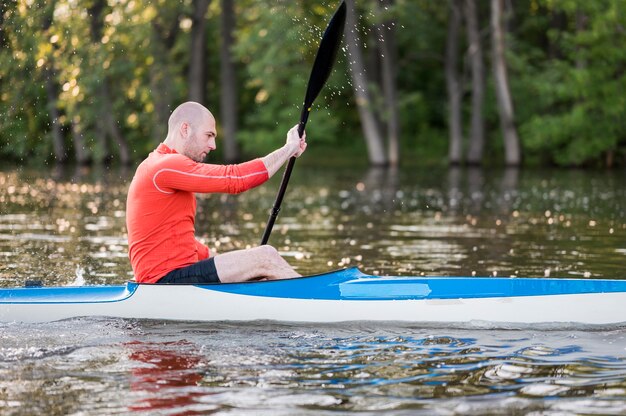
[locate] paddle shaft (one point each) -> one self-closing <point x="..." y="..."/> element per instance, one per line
<point x="285" y="181"/>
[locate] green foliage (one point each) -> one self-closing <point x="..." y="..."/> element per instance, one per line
<point x="576" y="117"/>
<point x="277" y="45"/>
<point x="21" y="100"/>
<point x="566" y="61"/>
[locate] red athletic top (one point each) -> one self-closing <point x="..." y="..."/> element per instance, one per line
<point x="161" y="208"/>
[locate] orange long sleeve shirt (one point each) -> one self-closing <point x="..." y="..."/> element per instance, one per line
<point x="161" y="208"/>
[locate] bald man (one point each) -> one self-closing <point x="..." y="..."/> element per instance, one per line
<point x="161" y="206"/>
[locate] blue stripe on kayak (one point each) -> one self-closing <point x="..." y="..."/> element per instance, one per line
<point x="348" y="284"/>
<point x="351" y="284"/>
<point x="71" y="294"/>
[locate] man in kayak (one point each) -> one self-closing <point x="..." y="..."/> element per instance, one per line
<point x="161" y="206"/>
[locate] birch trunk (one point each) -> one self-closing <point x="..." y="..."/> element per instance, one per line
<point x="477" y="129"/>
<point x="455" y="145"/>
<point x="503" y="94"/>
<point x="371" y="131"/>
<point x="387" y="45"/>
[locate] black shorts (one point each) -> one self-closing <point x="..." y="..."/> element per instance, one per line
<point x="200" y="273"/>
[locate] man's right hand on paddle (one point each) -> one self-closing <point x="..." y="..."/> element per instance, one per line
<point x="296" y="142"/>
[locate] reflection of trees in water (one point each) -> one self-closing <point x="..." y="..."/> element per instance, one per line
<point x="439" y="219"/>
<point x="471" y="190"/>
<point x="90" y="174"/>
<point x="455" y="190"/>
<point x="381" y="185"/>
<point x="388" y="219"/>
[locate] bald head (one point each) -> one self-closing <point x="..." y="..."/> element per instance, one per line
<point x="191" y="130"/>
<point x="190" y="112"/>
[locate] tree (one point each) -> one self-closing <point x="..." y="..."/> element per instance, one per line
<point x="197" y="55"/>
<point x="102" y="69"/>
<point x="371" y="130"/>
<point x="453" y="84"/>
<point x="49" y="75"/>
<point x="387" y="45"/>
<point x="503" y="94"/>
<point x="475" y="52"/>
<point x="578" y="118"/>
<point x="228" y="90"/>
<point x="107" y="125"/>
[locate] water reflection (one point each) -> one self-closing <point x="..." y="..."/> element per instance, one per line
<point x="119" y="366"/>
<point x="60" y="225"/>
<point x="165" y="376"/>
<point x="458" y="221"/>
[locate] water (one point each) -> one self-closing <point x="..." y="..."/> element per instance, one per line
<point x="68" y="228"/>
<point x="113" y="366"/>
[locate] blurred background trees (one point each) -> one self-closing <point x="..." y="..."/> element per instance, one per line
<point x="493" y="82"/>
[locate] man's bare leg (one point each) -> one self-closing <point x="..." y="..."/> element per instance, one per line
<point x="243" y="265"/>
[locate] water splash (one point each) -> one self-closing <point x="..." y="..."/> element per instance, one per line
<point x="79" y="280"/>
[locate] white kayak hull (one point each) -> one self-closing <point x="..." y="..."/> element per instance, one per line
<point x="355" y="301"/>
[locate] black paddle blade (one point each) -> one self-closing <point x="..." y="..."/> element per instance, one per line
<point x="324" y="60"/>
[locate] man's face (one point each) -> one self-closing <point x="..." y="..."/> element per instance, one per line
<point x="201" y="140"/>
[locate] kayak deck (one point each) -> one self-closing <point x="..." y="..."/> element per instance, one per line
<point x="352" y="284"/>
<point x="347" y="284"/>
<point x="344" y="295"/>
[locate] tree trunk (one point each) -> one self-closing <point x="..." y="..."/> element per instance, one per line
<point x="453" y="84"/>
<point x="162" y="96"/>
<point x="107" y="123"/>
<point x="112" y="125"/>
<point x="228" y="87"/>
<point x="80" y="150"/>
<point x="4" y="8"/>
<point x="104" y="150"/>
<point x="387" y="45"/>
<point x="95" y="25"/>
<point x="58" y="141"/>
<point x="371" y="131"/>
<point x="477" y="130"/>
<point x="198" y="57"/>
<point x="162" y="41"/>
<point x="505" y="103"/>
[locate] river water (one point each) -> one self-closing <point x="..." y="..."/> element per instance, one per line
<point x="67" y="228"/>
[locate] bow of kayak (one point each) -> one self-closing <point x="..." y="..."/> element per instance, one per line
<point x="344" y="295"/>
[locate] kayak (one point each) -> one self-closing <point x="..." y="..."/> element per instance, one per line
<point x="342" y="295"/>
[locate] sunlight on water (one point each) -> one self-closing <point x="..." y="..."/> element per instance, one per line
<point x="69" y="228"/>
<point x="381" y="221"/>
<point x="261" y="367"/>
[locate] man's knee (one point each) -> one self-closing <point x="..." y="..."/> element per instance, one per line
<point x="268" y="252"/>
<point x="269" y="255"/>
<point x="271" y="264"/>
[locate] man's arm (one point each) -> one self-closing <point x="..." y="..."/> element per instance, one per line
<point x="294" y="146"/>
<point x="182" y="173"/>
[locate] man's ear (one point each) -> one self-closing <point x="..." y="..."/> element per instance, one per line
<point x="184" y="129"/>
